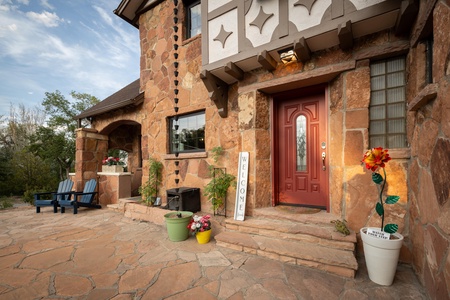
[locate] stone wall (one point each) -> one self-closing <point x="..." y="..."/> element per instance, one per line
<point x="90" y="150"/>
<point x="248" y="125"/>
<point x="429" y="175"/>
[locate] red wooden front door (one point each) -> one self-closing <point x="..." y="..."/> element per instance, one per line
<point x="301" y="149"/>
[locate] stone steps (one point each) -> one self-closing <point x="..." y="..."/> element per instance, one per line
<point x="305" y="240"/>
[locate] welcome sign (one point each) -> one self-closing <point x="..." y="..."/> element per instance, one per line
<point x="241" y="189"/>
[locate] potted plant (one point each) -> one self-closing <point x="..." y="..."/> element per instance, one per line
<point x="381" y="245"/>
<point x="216" y="189"/>
<point x="149" y="190"/>
<point x="177" y="225"/>
<point x="112" y="164"/>
<point x="201" y="228"/>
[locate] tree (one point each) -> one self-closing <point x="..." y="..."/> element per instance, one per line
<point x="53" y="147"/>
<point x="34" y="154"/>
<point x="14" y="137"/>
<point x="56" y="142"/>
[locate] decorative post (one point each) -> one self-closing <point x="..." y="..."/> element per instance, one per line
<point x="175" y="81"/>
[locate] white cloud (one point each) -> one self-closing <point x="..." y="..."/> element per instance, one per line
<point x="99" y="57"/>
<point x="45" y="3"/>
<point x="47" y="18"/>
<point x="104" y="15"/>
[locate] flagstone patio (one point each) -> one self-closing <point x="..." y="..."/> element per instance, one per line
<point x="101" y="254"/>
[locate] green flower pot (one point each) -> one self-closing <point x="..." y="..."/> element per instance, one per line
<point x="177" y="227"/>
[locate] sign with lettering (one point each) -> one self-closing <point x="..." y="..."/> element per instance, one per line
<point x="378" y="234"/>
<point x="241" y="189"/>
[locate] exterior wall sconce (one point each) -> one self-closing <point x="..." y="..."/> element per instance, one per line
<point x="288" y="56"/>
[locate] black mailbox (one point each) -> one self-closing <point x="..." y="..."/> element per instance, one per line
<point x="184" y="198"/>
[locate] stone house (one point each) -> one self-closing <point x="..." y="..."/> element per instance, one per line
<point x="305" y="87"/>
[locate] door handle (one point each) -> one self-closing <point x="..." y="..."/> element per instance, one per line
<point x="323" y="161"/>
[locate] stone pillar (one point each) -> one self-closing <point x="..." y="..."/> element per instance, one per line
<point x="114" y="186"/>
<point x="91" y="147"/>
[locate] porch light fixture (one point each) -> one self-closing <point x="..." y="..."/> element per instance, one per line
<point x="288" y="56"/>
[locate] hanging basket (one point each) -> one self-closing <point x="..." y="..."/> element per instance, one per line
<point x="177" y="227"/>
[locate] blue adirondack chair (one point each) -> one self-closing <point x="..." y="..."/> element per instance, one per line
<point x="52" y="198"/>
<point x="83" y="199"/>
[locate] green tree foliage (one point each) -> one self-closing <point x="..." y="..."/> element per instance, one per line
<point x="30" y="173"/>
<point x="14" y="137"/>
<point x="55" y="143"/>
<point x="62" y="112"/>
<point x="36" y="153"/>
<point x="54" y="148"/>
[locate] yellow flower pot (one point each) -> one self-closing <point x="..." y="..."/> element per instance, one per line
<point x="203" y="236"/>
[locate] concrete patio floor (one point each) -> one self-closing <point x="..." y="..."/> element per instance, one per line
<point x="100" y="254"/>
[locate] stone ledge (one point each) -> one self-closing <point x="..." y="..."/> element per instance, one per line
<point x="339" y="262"/>
<point x="290" y="229"/>
<point x="426" y="95"/>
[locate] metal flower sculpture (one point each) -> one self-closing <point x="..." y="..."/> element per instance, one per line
<point x="375" y="159"/>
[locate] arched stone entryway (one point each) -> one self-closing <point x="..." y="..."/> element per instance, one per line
<point x="126" y="135"/>
<point x="93" y="145"/>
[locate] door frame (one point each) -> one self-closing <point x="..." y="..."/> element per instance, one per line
<point x="288" y="95"/>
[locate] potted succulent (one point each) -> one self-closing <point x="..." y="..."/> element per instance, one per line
<point x="149" y="190"/>
<point x="200" y="226"/>
<point x="216" y="189"/>
<point x="381" y="245"/>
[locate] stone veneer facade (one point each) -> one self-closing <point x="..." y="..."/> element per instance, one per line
<point x="419" y="174"/>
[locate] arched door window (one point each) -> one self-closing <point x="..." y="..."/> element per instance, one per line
<point x="301" y="143"/>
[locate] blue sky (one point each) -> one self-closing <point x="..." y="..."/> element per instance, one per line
<point x="49" y="45"/>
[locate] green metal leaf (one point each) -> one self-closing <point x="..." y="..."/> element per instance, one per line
<point x="391" y="228"/>
<point x="379" y="208"/>
<point x="392" y="199"/>
<point x="377" y="178"/>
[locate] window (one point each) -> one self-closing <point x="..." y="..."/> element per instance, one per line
<point x="194" y="18"/>
<point x="191" y="133"/>
<point x="387" y="103"/>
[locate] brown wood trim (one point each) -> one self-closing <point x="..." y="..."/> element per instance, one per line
<point x="234" y="71"/>
<point x="267" y="61"/>
<point x="247" y="51"/>
<point x="304" y="79"/>
<point x="301" y="49"/>
<point x="406" y="17"/>
<point x="217" y="91"/>
<point x="345" y="35"/>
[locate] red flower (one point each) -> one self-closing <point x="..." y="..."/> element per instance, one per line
<point x="376" y="157"/>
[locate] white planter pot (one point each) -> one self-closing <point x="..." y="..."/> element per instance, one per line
<point x="381" y="256"/>
<point x="112" y="169"/>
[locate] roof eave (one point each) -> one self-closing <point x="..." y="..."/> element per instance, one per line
<point x="105" y="109"/>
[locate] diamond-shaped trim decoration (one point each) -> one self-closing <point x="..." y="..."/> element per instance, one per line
<point x="222" y="36"/>
<point x="306" y="3"/>
<point x="261" y="19"/>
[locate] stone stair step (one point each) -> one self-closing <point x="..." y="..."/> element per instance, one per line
<point x="114" y="207"/>
<point x="323" y="234"/>
<point x="336" y="261"/>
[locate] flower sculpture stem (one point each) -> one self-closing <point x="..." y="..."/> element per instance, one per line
<point x="374" y="159"/>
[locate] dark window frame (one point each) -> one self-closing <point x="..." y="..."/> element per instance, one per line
<point x="188" y="6"/>
<point x="171" y="133"/>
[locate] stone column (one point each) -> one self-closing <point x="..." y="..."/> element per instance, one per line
<point x="91" y="147"/>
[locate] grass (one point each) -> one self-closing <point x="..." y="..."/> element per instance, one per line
<point x="6" y="202"/>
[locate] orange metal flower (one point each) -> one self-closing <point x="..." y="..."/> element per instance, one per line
<point x="376" y="157"/>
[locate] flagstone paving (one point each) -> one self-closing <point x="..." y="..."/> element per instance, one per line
<point x="100" y="254"/>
